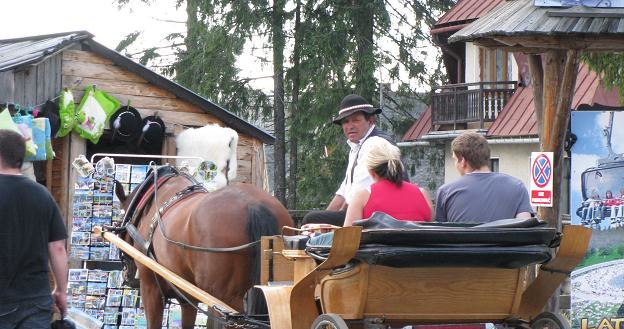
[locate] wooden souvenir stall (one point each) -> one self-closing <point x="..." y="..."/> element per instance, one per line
<point x="35" y="69"/>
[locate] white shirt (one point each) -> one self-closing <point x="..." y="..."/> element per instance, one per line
<point x="361" y="179"/>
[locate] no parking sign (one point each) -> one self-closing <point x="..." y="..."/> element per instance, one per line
<point x="540" y="187"/>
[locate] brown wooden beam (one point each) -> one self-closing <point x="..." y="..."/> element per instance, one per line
<point x="550" y="42"/>
<point x="537" y="80"/>
<point x="560" y="71"/>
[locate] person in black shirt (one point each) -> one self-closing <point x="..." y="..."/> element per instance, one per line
<point x="32" y="234"/>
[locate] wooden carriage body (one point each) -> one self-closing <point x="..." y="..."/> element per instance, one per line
<point x="293" y="283"/>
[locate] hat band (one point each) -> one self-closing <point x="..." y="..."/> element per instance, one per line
<point x="361" y="106"/>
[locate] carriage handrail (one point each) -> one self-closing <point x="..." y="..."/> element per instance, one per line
<point x="146" y="156"/>
<point x="202" y="296"/>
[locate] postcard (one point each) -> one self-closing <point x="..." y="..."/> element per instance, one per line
<point x="96" y="288"/>
<point x="95" y="302"/>
<point x="114" y="297"/>
<point x="79" y="252"/>
<point x="97" y="276"/>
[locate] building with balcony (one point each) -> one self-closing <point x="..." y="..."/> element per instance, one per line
<point x="489" y="92"/>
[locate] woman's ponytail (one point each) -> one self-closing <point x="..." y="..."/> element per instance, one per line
<point x="385" y="160"/>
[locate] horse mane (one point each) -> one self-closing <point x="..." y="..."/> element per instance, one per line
<point x="260" y="222"/>
<point x="212" y="143"/>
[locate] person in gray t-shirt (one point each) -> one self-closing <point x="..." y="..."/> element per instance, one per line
<point x="480" y="195"/>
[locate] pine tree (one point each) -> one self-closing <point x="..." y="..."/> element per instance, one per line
<point x="321" y="51"/>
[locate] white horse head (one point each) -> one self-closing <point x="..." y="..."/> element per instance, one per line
<point x="212" y="143"/>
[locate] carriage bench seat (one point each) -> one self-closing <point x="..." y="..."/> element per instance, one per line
<point x="385" y="241"/>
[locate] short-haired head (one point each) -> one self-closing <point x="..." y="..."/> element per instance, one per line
<point x="472" y="147"/>
<point x="12" y="149"/>
<point x="384" y="159"/>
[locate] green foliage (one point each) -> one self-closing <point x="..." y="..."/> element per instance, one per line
<point x="127" y="41"/>
<point x="604" y="254"/>
<point x="340" y="48"/>
<point x="610" y="66"/>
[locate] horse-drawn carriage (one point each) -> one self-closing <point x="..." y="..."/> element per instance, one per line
<point x="197" y="246"/>
<point x="383" y="278"/>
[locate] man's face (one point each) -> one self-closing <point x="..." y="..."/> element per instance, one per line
<point x="355" y="126"/>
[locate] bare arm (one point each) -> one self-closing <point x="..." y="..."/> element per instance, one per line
<point x="523" y="215"/>
<point x="337" y="203"/>
<point x="356" y="208"/>
<point x="58" y="263"/>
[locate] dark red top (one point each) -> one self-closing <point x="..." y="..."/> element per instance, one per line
<point x="403" y="203"/>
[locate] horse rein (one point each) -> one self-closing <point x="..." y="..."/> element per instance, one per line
<point x="145" y="244"/>
<point x="157" y="221"/>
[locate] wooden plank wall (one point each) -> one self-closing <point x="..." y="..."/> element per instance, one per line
<point x="7" y="86"/>
<point x="36" y="84"/>
<point x="82" y="68"/>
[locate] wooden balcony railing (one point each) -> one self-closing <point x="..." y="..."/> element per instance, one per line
<point x="470" y="102"/>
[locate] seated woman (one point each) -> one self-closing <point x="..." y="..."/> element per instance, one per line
<point x="389" y="193"/>
<point x="612" y="204"/>
<point x="593" y="207"/>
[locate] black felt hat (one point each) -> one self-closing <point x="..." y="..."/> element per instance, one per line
<point x="126" y="123"/>
<point x="354" y="103"/>
<point x="153" y="133"/>
<point x="50" y="110"/>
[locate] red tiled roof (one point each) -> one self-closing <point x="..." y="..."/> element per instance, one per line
<point x="518" y="116"/>
<point x="420" y="127"/>
<point x="467" y="10"/>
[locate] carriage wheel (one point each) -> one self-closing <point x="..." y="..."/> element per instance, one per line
<point x="329" y="321"/>
<point x="548" y="320"/>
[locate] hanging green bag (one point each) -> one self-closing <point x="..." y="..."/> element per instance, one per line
<point x="67" y="113"/>
<point x="93" y="113"/>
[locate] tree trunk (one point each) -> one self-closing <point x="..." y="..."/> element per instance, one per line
<point x="278" y="100"/>
<point x="294" y="113"/>
<point x="365" y="60"/>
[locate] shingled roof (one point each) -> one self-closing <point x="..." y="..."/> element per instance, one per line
<point x="521" y="24"/>
<point x="21" y="52"/>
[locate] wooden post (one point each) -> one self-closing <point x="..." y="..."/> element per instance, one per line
<point x="559" y="74"/>
<point x="537" y="80"/>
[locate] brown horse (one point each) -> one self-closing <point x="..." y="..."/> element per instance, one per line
<point x="232" y="216"/>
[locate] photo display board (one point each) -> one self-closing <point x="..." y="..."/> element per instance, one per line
<point x="597" y="202"/>
<point x="101" y="293"/>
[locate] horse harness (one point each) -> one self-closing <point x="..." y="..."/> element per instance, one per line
<point x="147" y="191"/>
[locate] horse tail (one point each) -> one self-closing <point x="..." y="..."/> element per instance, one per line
<point x="260" y="222"/>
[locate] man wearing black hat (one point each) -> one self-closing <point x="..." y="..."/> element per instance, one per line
<point x="357" y="118"/>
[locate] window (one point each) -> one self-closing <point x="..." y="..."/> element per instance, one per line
<point x="495" y="65"/>
<point x="494" y="165"/>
